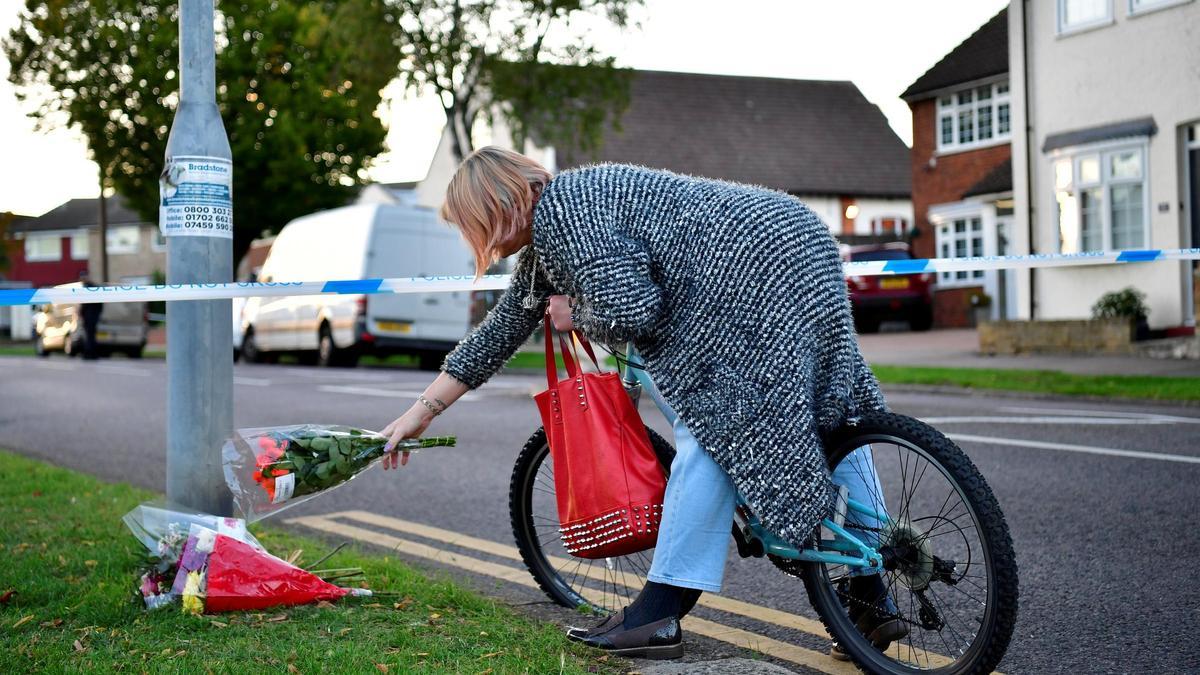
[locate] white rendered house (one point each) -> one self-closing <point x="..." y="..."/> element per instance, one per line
<point x="1108" y="93"/>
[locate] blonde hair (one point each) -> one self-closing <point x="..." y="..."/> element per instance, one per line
<point x="490" y="198"/>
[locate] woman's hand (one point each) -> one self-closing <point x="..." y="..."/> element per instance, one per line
<point x="560" y="313"/>
<point x="409" y="425"/>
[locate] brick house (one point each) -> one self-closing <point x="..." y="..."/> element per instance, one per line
<point x="59" y="245"/>
<point x="961" y="164"/>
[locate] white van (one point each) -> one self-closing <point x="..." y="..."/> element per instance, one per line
<point x="364" y="241"/>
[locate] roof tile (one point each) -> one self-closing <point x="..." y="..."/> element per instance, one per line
<point x="799" y="136"/>
<point x="984" y="54"/>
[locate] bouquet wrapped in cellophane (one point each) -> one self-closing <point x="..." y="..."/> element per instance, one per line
<point x="162" y="528"/>
<point x="219" y="573"/>
<point x="270" y="469"/>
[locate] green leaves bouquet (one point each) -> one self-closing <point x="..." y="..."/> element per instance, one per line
<point x="269" y="469"/>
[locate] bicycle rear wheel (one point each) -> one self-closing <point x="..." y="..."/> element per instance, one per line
<point x="602" y="586"/>
<point x="950" y="571"/>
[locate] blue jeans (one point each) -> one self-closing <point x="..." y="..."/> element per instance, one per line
<point x="693" y="539"/>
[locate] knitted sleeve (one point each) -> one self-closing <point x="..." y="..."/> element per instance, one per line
<point x="618" y="299"/>
<point x="510" y="323"/>
<point x="608" y="271"/>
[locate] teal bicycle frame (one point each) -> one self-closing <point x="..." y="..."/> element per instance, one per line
<point x="843" y="549"/>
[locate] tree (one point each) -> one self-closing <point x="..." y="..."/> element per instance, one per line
<point x="298" y="87"/>
<point x="6" y="219"/>
<point x="492" y="57"/>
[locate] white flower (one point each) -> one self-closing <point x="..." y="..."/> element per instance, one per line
<point x="205" y="539"/>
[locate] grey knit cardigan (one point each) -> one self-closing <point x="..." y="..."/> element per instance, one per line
<point x="734" y="296"/>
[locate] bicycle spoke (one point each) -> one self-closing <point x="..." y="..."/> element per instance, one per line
<point x="917" y="483"/>
<point x="911" y="647"/>
<point x="945" y="616"/>
<point x="981" y="603"/>
<point x="924" y="523"/>
<point x="929" y="533"/>
<point x="924" y="646"/>
<point x="903" y="482"/>
<point x="625" y="583"/>
<point x="641" y="571"/>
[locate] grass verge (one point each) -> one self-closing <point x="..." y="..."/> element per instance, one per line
<point x="71" y="564"/>
<point x="1046" y="381"/>
<point x="16" y="350"/>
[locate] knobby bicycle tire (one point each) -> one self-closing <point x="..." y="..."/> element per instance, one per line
<point x="997" y="628"/>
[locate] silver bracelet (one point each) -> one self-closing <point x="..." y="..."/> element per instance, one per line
<point x="432" y="408"/>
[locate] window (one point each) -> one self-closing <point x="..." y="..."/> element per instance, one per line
<point x="43" y="247"/>
<point x="889" y="225"/>
<point x="124" y="239"/>
<point x="1102" y="199"/>
<point x="79" y="246"/>
<point x="1144" y="6"/>
<point x="1075" y="15"/>
<point x="960" y="238"/>
<point x="975" y="116"/>
<point x="159" y="243"/>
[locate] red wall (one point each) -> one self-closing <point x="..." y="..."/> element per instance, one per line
<point x="945" y="182"/>
<point x="40" y="274"/>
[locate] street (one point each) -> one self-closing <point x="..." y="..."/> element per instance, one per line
<point x="1100" y="497"/>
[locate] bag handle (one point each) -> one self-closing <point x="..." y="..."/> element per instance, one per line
<point x="572" y="365"/>
<point x="551" y="366"/>
<point x="587" y="347"/>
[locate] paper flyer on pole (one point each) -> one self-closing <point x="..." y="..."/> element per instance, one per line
<point x="196" y="197"/>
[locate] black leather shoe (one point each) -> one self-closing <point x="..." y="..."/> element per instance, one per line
<point x="662" y="639"/>
<point x="575" y="634"/>
<point x="882" y="628"/>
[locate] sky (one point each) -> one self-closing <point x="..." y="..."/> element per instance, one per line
<point x="880" y="45"/>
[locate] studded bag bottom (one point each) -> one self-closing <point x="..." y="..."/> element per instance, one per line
<point x="618" y="532"/>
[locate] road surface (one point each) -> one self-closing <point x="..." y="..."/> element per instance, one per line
<point x="1101" y="498"/>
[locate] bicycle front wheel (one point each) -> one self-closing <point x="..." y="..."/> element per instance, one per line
<point x="947" y="599"/>
<point x="601" y="586"/>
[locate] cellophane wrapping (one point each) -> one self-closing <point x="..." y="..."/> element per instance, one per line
<point x="273" y="468"/>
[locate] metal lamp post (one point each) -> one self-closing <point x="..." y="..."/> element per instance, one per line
<point x="195" y="218"/>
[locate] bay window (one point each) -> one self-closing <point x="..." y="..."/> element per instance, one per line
<point x="1102" y="198"/>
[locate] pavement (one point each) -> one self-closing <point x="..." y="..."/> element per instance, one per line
<point x="959" y="348"/>
<point x="1100" y="498"/>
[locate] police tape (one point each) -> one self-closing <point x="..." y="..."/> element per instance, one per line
<point x="465" y="283"/>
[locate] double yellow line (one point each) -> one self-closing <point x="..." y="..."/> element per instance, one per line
<point x="334" y="523"/>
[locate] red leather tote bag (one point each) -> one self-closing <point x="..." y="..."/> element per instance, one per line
<point x="607" y="479"/>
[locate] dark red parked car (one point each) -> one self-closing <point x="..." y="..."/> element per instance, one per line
<point x="876" y="299"/>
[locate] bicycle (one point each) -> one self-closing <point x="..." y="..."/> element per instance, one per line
<point x="949" y="567"/>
